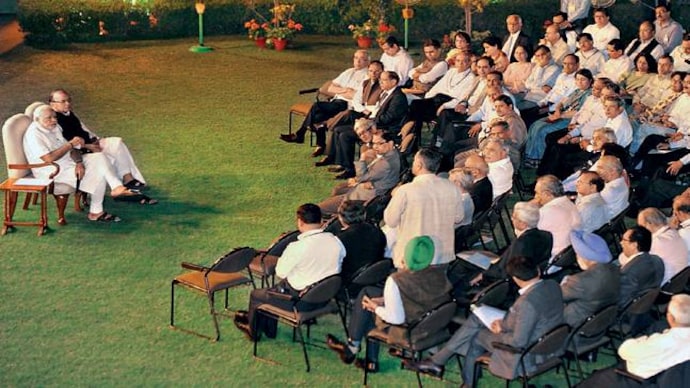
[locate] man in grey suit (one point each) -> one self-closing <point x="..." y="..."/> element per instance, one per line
<point x="597" y="286"/>
<point x="374" y="177"/>
<point x="538" y="310"/>
<point x="640" y="270"/>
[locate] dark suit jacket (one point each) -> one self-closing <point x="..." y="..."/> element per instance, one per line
<point x="587" y="292"/>
<point x="482" y="193"/>
<point x="533" y="243"/>
<point x="391" y="114"/>
<point x="642" y="273"/>
<point x="533" y="314"/>
<point x="364" y="244"/>
<point x="522" y="40"/>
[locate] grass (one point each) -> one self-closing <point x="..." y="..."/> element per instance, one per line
<point x="88" y="303"/>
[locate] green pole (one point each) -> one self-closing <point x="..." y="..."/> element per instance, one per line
<point x="200" y="48"/>
<point x="406" y="26"/>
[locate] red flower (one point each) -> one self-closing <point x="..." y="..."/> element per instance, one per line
<point x="298" y="26"/>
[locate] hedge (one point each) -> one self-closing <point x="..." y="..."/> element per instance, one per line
<point x="55" y="23"/>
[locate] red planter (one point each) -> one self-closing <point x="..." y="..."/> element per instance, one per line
<point x="260" y="42"/>
<point x="364" y="42"/>
<point x="280" y="44"/>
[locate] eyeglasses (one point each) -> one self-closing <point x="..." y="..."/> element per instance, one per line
<point x="63" y="101"/>
<point x="378" y="143"/>
<point x="626" y="239"/>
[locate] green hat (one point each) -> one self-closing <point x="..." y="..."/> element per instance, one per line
<point x="419" y="253"/>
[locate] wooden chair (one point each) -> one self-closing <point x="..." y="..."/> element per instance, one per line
<point x="321" y="292"/>
<point x="13" y="131"/>
<point x="302" y="108"/>
<point x="223" y="274"/>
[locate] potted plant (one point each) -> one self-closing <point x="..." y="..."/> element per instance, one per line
<point x="364" y="33"/>
<point x="283" y="27"/>
<point x="384" y="31"/>
<point x="256" y="32"/>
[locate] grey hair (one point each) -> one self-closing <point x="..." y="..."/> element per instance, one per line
<point x="500" y="142"/>
<point x="551" y="184"/>
<point x="608" y="133"/>
<point x="653" y="216"/>
<point x="461" y="178"/>
<point x="679" y="308"/>
<point x="611" y="163"/>
<point x="363" y="123"/>
<point x="39" y="110"/>
<point x="527" y="212"/>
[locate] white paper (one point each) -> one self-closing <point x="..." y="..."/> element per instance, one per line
<point x="32" y="182"/>
<point x="487" y="314"/>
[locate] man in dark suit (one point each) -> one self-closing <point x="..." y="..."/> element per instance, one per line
<point x="482" y="190"/>
<point x="597" y="286"/>
<point x="538" y="310"/>
<point x="392" y="104"/>
<point x="515" y="37"/>
<point x="640" y="270"/>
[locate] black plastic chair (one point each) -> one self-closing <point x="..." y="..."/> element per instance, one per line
<point x="223" y="274"/>
<point x="427" y="331"/>
<point x="264" y="264"/>
<point x="677" y="375"/>
<point x="639" y="305"/>
<point x="498" y="208"/>
<point x="466" y="236"/>
<point x="551" y="346"/>
<point x="493" y="295"/>
<point x="375" y="207"/>
<point x="321" y="292"/>
<point x="369" y="275"/>
<point x="675" y="285"/>
<point x="564" y="259"/>
<point x="593" y="333"/>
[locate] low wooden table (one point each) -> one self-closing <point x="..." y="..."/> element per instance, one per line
<point x="12" y="193"/>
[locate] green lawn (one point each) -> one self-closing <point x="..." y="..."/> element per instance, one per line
<point x="88" y="304"/>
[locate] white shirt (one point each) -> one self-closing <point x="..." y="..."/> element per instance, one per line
<point x="501" y="176"/>
<point x="593" y="211"/>
<point x="401" y="63"/>
<point x="670" y="247"/>
<point x="539" y="77"/>
<point x="592" y="60"/>
<point x="653" y="89"/>
<point x="622" y="128"/>
<point x="350" y="78"/>
<point x="564" y="85"/>
<point x="510" y="43"/>
<point x="602" y="35"/>
<point x="432" y="75"/>
<point x="615" y="194"/>
<point x="615" y="69"/>
<point x="314" y="256"/>
<point x="657" y="51"/>
<point x="679" y="57"/>
<point x="560" y="217"/>
<point x="393" y="310"/>
<point x="575" y="9"/>
<point x="647" y="356"/>
<point x="454" y="84"/>
<point x="684" y="232"/>
<point x="590" y="117"/>
<point x="38" y="142"/>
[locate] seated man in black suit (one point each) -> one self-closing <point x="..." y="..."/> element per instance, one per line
<point x="640" y="270"/>
<point x="314" y="256"/>
<point x="406" y="296"/>
<point x="482" y="191"/>
<point x="392" y="104"/>
<point x="364" y="242"/>
<point x="538" y="310"/>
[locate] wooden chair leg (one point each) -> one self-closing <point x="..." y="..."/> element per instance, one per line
<point x="29" y="199"/>
<point x="80" y="201"/>
<point x="61" y="201"/>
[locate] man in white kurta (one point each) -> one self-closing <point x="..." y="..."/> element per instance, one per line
<point x="602" y="30"/>
<point x="558" y="214"/>
<point x="43" y="142"/>
<point x="429" y="205"/>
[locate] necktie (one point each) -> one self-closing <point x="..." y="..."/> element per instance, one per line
<point x="383" y="97"/>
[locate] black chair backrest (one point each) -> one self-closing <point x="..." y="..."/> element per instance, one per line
<point x="674" y="375"/>
<point x="236" y="260"/>
<point x="642" y="303"/>
<point x="598" y="323"/>
<point x="494" y="294"/>
<point x="434" y="320"/>
<point x="280" y="243"/>
<point x="333" y="225"/>
<point x="373" y="273"/>
<point x="678" y="282"/>
<point x="374" y="207"/>
<point x="322" y="291"/>
<point x="552" y="342"/>
<point x="564" y="258"/>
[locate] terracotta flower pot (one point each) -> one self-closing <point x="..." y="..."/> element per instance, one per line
<point x="280" y="44"/>
<point x="364" y="42"/>
<point x="260" y="42"/>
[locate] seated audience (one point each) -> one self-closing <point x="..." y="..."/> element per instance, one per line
<point x="681" y="55"/>
<point x="515" y="38"/>
<point x="315" y="256"/>
<point x="344" y="138"/>
<point x="429" y="71"/>
<point x="645" y="68"/>
<point x="645" y="43"/>
<point x="462" y="44"/>
<point x="517" y="72"/>
<point x="618" y="63"/>
<point x="396" y="59"/>
<point x="597" y="286"/>
<point x="681" y="215"/>
<point x="495" y="153"/>
<point x="482" y="189"/>
<point x="640" y="269"/>
<point x="648" y="356"/>
<point x="668" y="32"/>
<point x="602" y="30"/>
<point x="616" y="190"/>
<point x="590" y="58"/>
<point x="558" y="215"/>
<point x="537" y="310"/>
<point x="43" y="142"/>
<point x="414" y="289"/>
<point x="592" y="208"/>
<point x="373" y="177"/>
<point x="492" y="49"/>
<point x="463" y="181"/>
<point x="656" y="86"/>
<point x="556" y="44"/>
<point x="666" y="242"/>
